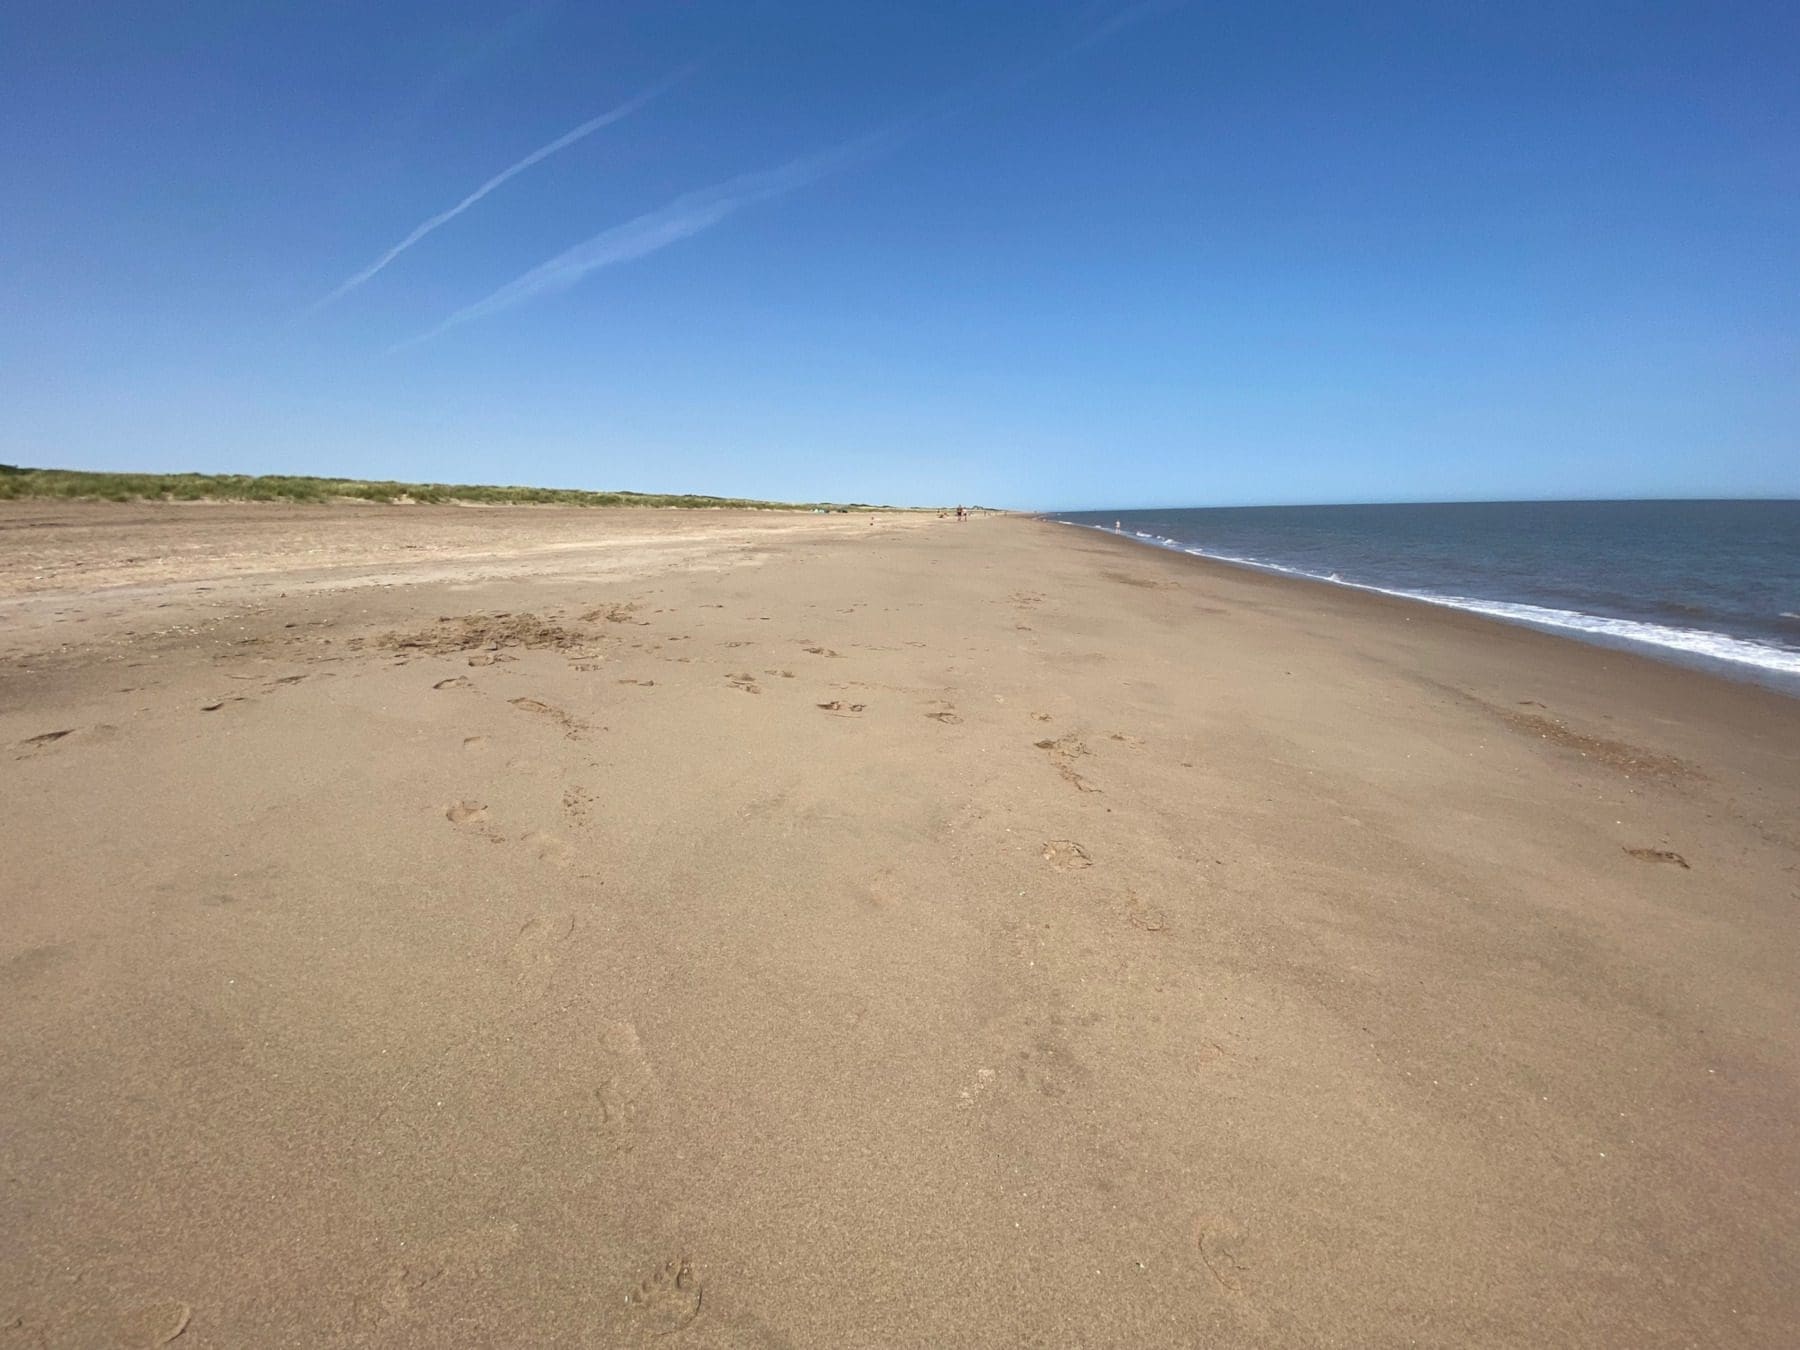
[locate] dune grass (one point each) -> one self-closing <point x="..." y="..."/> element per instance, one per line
<point x="17" y="483"/>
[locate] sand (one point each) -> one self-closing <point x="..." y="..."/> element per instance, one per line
<point x="437" y="927"/>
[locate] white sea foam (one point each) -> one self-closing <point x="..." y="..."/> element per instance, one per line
<point x="1697" y="641"/>
<point x="1691" y="641"/>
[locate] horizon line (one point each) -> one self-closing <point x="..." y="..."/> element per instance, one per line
<point x="1414" y="501"/>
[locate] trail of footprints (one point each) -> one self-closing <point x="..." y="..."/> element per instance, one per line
<point x="473" y="817"/>
<point x="44" y="739"/>
<point x="670" y="1297"/>
<point x="1066" y="855"/>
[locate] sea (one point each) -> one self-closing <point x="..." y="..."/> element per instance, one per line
<point x="1712" y="584"/>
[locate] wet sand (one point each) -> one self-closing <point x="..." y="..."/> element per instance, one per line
<point x="449" y="927"/>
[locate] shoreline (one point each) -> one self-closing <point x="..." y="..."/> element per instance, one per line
<point x="714" y="935"/>
<point x="1692" y="648"/>
<point x="1447" y="647"/>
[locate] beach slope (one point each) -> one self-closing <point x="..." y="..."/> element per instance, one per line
<point x="451" y="927"/>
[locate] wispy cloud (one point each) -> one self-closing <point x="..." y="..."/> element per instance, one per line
<point x="543" y="152"/>
<point x="694" y="212"/>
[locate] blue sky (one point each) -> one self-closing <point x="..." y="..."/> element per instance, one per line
<point x="1054" y="254"/>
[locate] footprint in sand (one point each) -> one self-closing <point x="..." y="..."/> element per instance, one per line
<point x="571" y="726"/>
<point x="541" y="935"/>
<point x="46" y="737"/>
<point x="1064" y="751"/>
<point x="30" y="965"/>
<point x="1220" y="1239"/>
<point x="629" y="1093"/>
<point x="393" y="1297"/>
<point x="949" y="719"/>
<point x="746" y="682"/>
<point x="1065" y="855"/>
<point x="155" y="1324"/>
<point x="454" y="682"/>
<point x="577" y="803"/>
<point x="474" y="742"/>
<point x="984" y="1079"/>
<point x="546" y="846"/>
<point x="669" y="1299"/>
<point x="1146" y="918"/>
<point x="1659" y="855"/>
<point x="822" y="651"/>
<point x="466" y="813"/>
<point x="840" y="709"/>
<point x="625" y="613"/>
<point x="620" y="1109"/>
<point x="396" y="1294"/>
<point x="537" y="951"/>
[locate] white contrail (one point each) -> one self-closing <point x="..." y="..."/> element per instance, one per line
<point x="687" y="215"/>
<point x="563" y="142"/>
<point x="696" y="211"/>
<point x="1122" y="19"/>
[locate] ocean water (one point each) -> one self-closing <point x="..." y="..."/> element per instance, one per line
<point x="1709" y="583"/>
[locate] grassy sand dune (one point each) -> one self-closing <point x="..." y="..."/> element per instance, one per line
<point x="21" y="483"/>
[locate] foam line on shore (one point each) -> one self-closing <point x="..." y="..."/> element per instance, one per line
<point x="1779" y="661"/>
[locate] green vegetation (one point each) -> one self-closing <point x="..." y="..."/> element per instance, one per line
<point x="17" y="483"/>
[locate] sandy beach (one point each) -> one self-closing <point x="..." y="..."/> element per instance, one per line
<point x="445" y="926"/>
